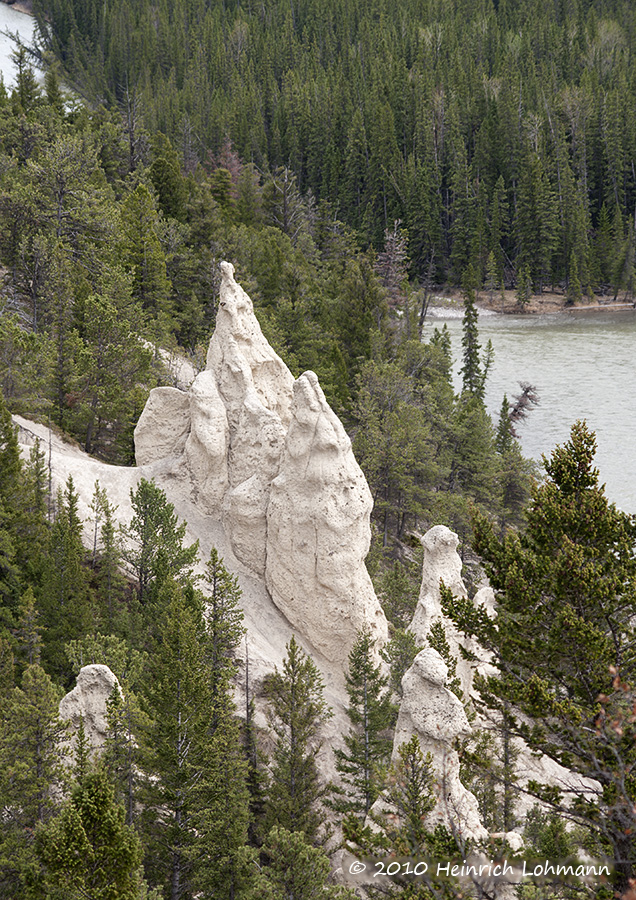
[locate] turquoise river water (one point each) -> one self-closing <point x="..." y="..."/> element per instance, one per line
<point x="583" y="366"/>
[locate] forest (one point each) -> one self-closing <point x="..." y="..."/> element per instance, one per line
<point x="347" y="160"/>
<point x="499" y="135"/>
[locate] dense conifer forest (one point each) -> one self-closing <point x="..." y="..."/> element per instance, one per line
<point x="500" y="135"/>
<point x="346" y="158"/>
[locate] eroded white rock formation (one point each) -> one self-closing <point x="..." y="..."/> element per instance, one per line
<point x="318" y="530"/>
<point x="88" y="700"/>
<point x="268" y="456"/>
<point x="436" y="716"/>
<point x="442" y="562"/>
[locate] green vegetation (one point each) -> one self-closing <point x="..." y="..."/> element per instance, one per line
<point x="564" y="630"/>
<point x="499" y="134"/>
<point x="346" y="158"/>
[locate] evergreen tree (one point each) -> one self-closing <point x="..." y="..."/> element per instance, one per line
<point x="156" y="550"/>
<point x="410" y="794"/>
<point x="66" y="603"/>
<point x="524" y="286"/>
<point x="26" y="92"/>
<point x="224" y="622"/>
<point x="176" y="701"/>
<point x="29" y="632"/>
<point x="368" y="745"/>
<point x="297" y="870"/>
<point x="196" y="805"/>
<point x="88" y="850"/>
<point x="296" y="710"/>
<point x="30" y="766"/>
<point x="110" y="580"/>
<point x="401" y="824"/>
<point x="399" y="654"/>
<point x="566" y="588"/>
<point x="143" y="254"/>
<point x="121" y="758"/>
<point x="473" y="379"/>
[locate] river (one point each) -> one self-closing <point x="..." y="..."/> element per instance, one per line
<point x="583" y="366"/>
<point x="14" y="21"/>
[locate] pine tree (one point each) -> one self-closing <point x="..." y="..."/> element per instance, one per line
<point x="492" y="275"/>
<point x="108" y="558"/>
<point x="175" y="699"/>
<point x="399" y="655"/>
<point x="473" y="381"/>
<point x="524" y="286"/>
<point x="411" y="796"/>
<point x="196" y="803"/>
<point x="121" y="758"/>
<point x="401" y="827"/>
<point x="156" y="550"/>
<point x="26" y="92"/>
<point x="566" y="588"/>
<point x="296" y="710"/>
<point x="31" y="734"/>
<point x="29" y="631"/>
<point x="297" y="870"/>
<point x="88" y="850"/>
<point x="224" y="622"/>
<point x="66" y="603"/>
<point x="363" y="763"/>
<point x="143" y="254"/>
<point x="392" y="262"/>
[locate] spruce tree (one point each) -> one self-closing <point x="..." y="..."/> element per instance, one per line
<point x="296" y="711"/>
<point x="196" y="802"/>
<point x="155" y="541"/>
<point x="402" y="828"/>
<point x="473" y="380"/>
<point x="224" y="622"/>
<point x="296" y="869"/>
<point x="566" y="589"/>
<point x="88" y="850"/>
<point x="31" y="734"/>
<point x="66" y="603"/>
<point x="176" y="698"/>
<point x="363" y="763"/>
<point x="121" y="758"/>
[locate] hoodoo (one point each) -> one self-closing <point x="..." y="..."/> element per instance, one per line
<point x="269" y="457"/>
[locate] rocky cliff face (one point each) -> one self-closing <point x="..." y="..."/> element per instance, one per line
<point x="268" y="456"/>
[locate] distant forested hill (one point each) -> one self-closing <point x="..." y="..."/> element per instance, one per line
<point x="501" y="134"/>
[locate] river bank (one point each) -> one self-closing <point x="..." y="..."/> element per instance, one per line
<point x="22" y="6"/>
<point x="506" y="303"/>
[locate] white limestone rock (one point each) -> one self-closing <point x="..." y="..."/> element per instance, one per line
<point x="436" y="716"/>
<point x="207" y="445"/>
<point x="257" y="442"/>
<point x="245" y="519"/>
<point x="256" y="387"/>
<point x="163" y="427"/>
<point x="441" y="562"/>
<point x="89" y="699"/>
<point x="268" y="457"/>
<point x="240" y="355"/>
<point x="318" y="531"/>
